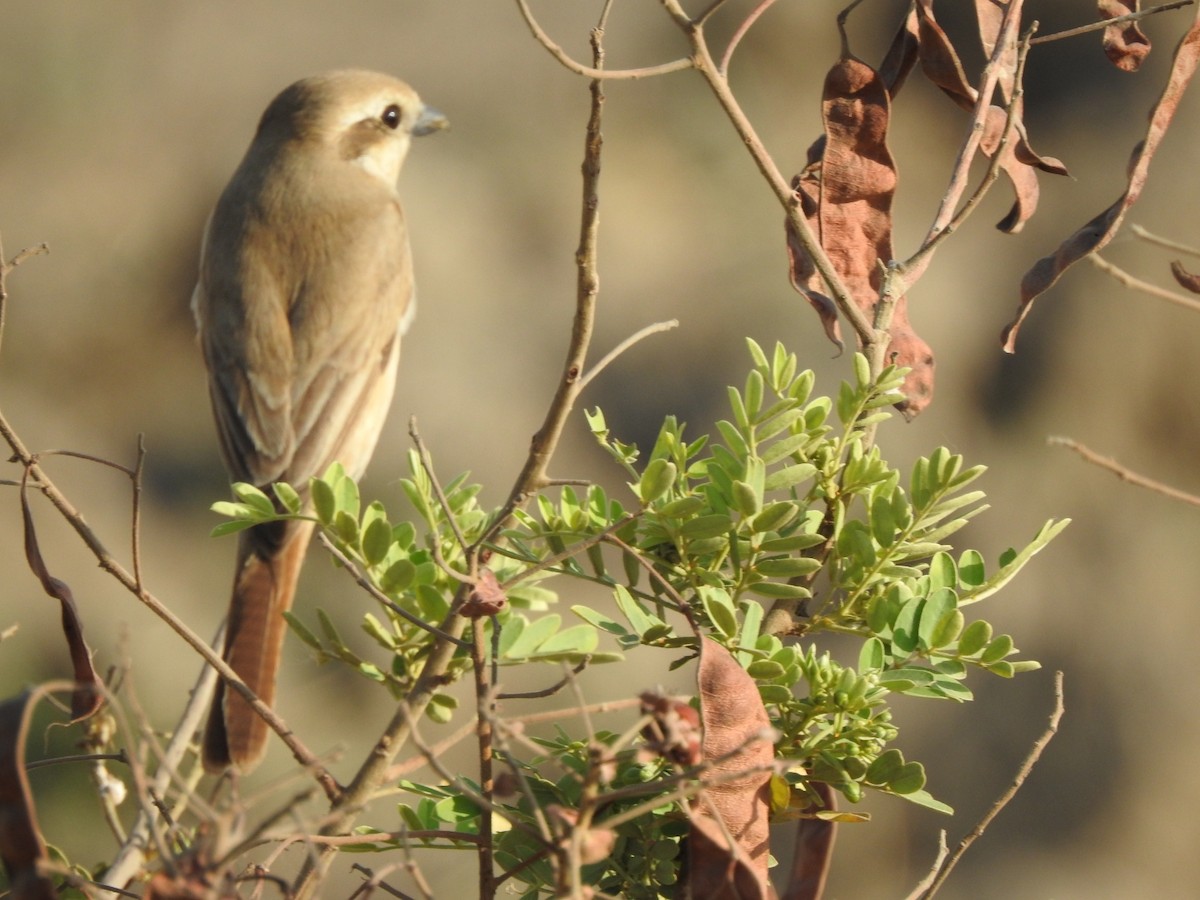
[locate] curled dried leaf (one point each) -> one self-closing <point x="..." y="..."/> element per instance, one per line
<point x="1100" y="230"/>
<point x="674" y="729"/>
<point x="1185" y="279"/>
<point x="486" y="599"/>
<point x="86" y="699"/>
<point x="1125" y="44"/>
<point x="735" y="802"/>
<point x="21" y="846"/>
<point x="845" y="193"/>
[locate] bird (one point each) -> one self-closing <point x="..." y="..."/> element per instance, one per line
<point x="304" y="291"/>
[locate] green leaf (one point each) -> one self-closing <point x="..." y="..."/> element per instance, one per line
<point x="940" y="604"/>
<point x="301" y="631"/>
<point x="974" y="637"/>
<point x="942" y="571"/>
<point x="792" y="542"/>
<point x="578" y="640"/>
<point x="705" y="527"/>
<point x="656" y="480"/>
<point x="745" y="499"/>
<point x="871" y="657"/>
<point x="765" y="670"/>
<point x="909" y="779"/>
<point x="255" y="499"/>
<point x="999" y="648"/>
<point x="682" y="508"/>
<point x="324" y="504"/>
<point x="971" y="569"/>
<point x="883" y="524"/>
<point x="787" y="567"/>
<point x="718" y="606"/>
<point x="1012" y="562"/>
<point x="601" y="621"/>
<point x="398" y="576"/>
<point x="774" y="693"/>
<point x="230" y="527"/>
<point x="639" y="619"/>
<point x="777" y="591"/>
<point x="376" y="541"/>
<point x="789" y="476"/>
<point x="884" y="767"/>
<point x="904" y="631"/>
<point x="287" y="496"/>
<point x="924" y="798"/>
<point x="533" y="636"/>
<point x="774" y="517"/>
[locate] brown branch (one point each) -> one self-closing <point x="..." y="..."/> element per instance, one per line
<point x="595" y="73"/>
<point x="741" y="31"/>
<point x="110" y="564"/>
<point x="1118" y="20"/>
<point x="1107" y="462"/>
<point x="1151" y="238"/>
<point x="1134" y="283"/>
<point x="616" y="351"/>
<point x="708" y="68"/>
<point x="948" y="216"/>
<point x="939" y="875"/>
<point x="384" y="600"/>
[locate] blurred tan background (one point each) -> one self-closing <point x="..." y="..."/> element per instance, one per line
<point x="121" y="123"/>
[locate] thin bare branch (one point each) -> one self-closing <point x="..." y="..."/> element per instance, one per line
<point x="639" y="335"/>
<point x="1134" y="283"/>
<point x="948" y="216"/>
<point x="110" y="564"/>
<point x="1035" y="753"/>
<point x="742" y="30"/>
<point x="704" y="63"/>
<point x="1151" y="238"/>
<point x="427" y="465"/>
<point x="365" y="583"/>
<point x="1118" y="20"/>
<point x="924" y="883"/>
<point x="546" y="691"/>
<point x="597" y="74"/>
<point x="1125" y="474"/>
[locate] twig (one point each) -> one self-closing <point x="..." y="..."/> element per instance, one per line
<point x="1151" y="238"/>
<point x="546" y="691"/>
<point x="947" y="866"/>
<point x="923" y="884"/>
<point x="8" y="266"/>
<point x="597" y="74"/>
<point x="427" y="465"/>
<point x="742" y="30"/>
<point x="485" y="706"/>
<point x="707" y="67"/>
<point x="110" y="564"/>
<point x="1107" y="462"/>
<point x="1133" y="282"/>
<point x="135" y="517"/>
<point x="946" y="220"/>
<point x="616" y="351"/>
<point x="1117" y="20"/>
<point x="365" y="583"/>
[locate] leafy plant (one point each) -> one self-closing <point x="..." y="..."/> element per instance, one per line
<point x="787" y="515"/>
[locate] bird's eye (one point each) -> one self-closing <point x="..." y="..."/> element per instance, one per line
<point x="391" y="117"/>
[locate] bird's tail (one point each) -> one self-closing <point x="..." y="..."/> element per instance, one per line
<point x="236" y="737"/>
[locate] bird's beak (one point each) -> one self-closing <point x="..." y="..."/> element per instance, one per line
<point x="429" y="121"/>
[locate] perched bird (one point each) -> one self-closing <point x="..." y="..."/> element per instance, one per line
<point x="305" y="288"/>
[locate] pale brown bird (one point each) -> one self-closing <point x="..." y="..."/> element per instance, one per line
<point x="305" y="289"/>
